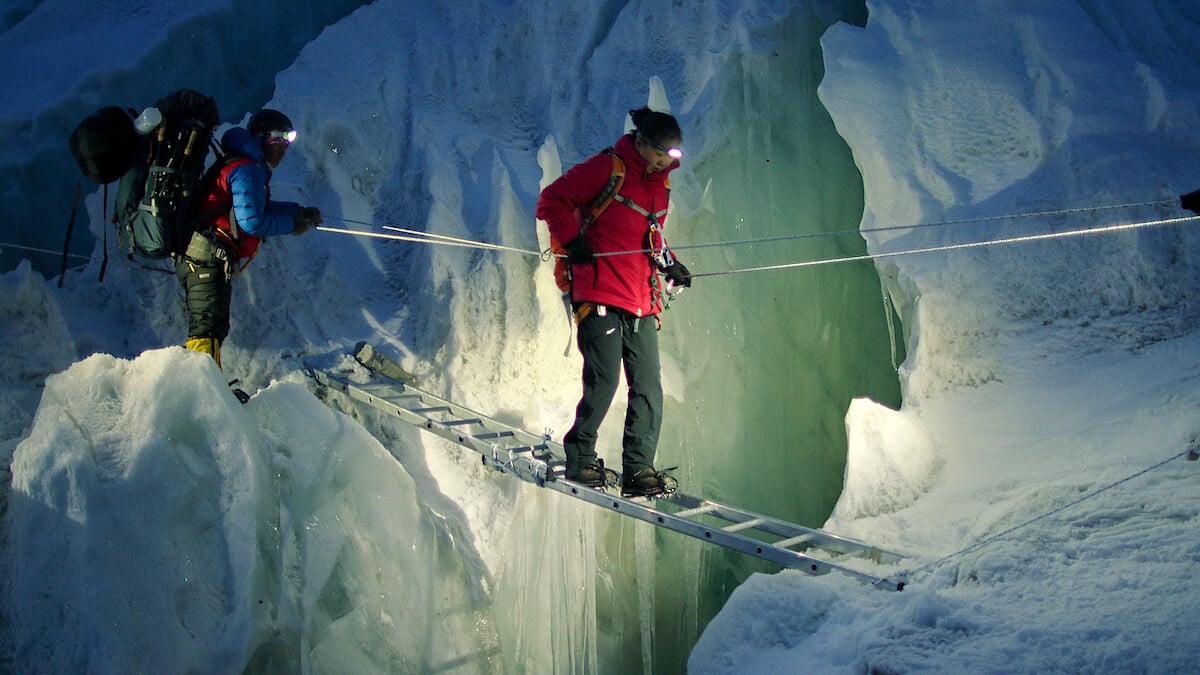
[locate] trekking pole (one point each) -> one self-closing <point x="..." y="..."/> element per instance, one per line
<point x="70" y="228"/>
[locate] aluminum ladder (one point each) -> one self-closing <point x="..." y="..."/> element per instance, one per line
<point x="541" y="461"/>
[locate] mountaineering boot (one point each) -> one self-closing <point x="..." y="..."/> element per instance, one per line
<point x="593" y="474"/>
<point x="647" y="483"/>
<point x="241" y="396"/>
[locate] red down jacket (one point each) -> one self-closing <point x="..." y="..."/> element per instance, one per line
<point x="244" y="184"/>
<point x="622" y="281"/>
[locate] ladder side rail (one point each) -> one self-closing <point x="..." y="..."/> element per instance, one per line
<point x="528" y="468"/>
<point x="741" y="519"/>
<point x="769" y="525"/>
<point x="810" y="536"/>
<point x="542" y="473"/>
<point x="761" y="550"/>
<point x="739" y="516"/>
<point x="421" y="418"/>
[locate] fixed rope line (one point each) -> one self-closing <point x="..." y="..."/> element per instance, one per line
<point x="420" y="237"/>
<point x="456" y="241"/>
<point x="1190" y="452"/>
<point x="423" y="238"/>
<point x="942" y="223"/>
<point x="894" y="228"/>
<point x="434" y="238"/>
<point x="404" y="234"/>
<point x="955" y="247"/>
<point x="43" y="250"/>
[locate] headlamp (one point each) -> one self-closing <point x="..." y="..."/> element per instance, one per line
<point x="286" y="136"/>
<point x="675" y="153"/>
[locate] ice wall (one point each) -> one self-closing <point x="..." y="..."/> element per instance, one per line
<point x="1020" y="119"/>
<point x="1038" y="371"/>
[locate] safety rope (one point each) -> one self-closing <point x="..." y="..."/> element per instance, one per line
<point x="943" y="223"/>
<point x="422" y="237"/>
<point x="404" y="234"/>
<point x="42" y="250"/>
<point x="956" y="247"/>
<point x="1191" y="453"/>
<point x="896" y="228"/>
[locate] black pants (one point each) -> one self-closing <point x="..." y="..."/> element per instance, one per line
<point x="209" y="292"/>
<point x="608" y="342"/>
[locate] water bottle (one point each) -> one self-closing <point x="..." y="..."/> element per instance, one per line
<point x="148" y="121"/>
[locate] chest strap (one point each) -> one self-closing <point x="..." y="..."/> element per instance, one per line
<point x="652" y="217"/>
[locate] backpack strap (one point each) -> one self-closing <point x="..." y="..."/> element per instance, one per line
<point x="562" y="271"/>
<point x="615" y="180"/>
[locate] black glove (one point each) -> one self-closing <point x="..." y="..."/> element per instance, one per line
<point x="308" y="218"/>
<point x="1191" y="202"/>
<point x="579" y="252"/>
<point x="678" y="275"/>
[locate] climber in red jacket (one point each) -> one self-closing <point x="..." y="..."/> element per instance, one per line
<point x="617" y="293"/>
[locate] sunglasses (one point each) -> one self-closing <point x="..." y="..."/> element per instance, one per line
<point x="675" y="153"/>
<point x="280" y="136"/>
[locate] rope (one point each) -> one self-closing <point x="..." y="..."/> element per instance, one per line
<point x="984" y="542"/>
<point x="43" y="250"/>
<point x="955" y="247"/>
<point x="944" y="223"/>
<point x="423" y="237"/>
<point x="404" y="234"/>
<point x="415" y="235"/>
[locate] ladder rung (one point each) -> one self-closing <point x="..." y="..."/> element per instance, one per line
<point x="745" y="525"/>
<point x="788" y="543"/>
<point x="455" y="423"/>
<point x="516" y="450"/>
<point x="436" y="408"/>
<point x="698" y="511"/>
<point x="397" y="397"/>
<point x="495" y="434"/>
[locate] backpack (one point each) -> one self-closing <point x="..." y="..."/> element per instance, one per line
<point x="562" y="269"/>
<point x="157" y="195"/>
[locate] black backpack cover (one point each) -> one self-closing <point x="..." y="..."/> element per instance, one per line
<point x="105" y="144"/>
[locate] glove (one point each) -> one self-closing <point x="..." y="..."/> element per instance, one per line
<point x="309" y="217"/>
<point x="579" y="252"/>
<point x="1191" y="202"/>
<point x="678" y="275"/>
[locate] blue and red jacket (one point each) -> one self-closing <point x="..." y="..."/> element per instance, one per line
<point x="625" y="281"/>
<point x="244" y="181"/>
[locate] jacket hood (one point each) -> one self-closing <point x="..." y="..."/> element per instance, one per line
<point x="238" y="140"/>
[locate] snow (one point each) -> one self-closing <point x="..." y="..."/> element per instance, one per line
<point x="1033" y="475"/>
